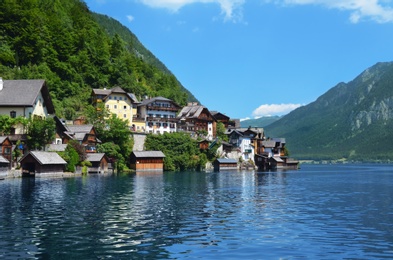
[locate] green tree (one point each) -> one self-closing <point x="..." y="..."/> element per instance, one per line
<point x="181" y="151"/>
<point x="220" y="132"/>
<point x="40" y="132"/>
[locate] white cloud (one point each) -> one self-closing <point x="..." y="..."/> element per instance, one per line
<point x="380" y="11"/>
<point x="359" y="9"/>
<point x="230" y="9"/>
<point x="274" y="109"/>
<point x="130" y="18"/>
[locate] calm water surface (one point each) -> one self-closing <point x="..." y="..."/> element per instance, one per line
<point x="318" y="212"/>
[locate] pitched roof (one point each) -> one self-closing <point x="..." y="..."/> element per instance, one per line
<point x="133" y="97"/>
<point x="24" y="93"/>
<point x="44" y="158"/>
<point x="118" y="90"/>
<point x="94" y="157"/>
<point x="79" y="128"/>
<point x="152" y="154"/>
<point x="191" y="111"/>
<point x="226" y="160"/>
<point x="3" y="160"/>
<point x="57" y="147"/>
<point x="3" y="138"/>
<point x="151" y="100"/>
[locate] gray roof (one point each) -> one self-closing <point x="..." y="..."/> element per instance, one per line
<point x="133" y="97"/>
<point x="57" y="147"/>
<point x="151" y="100"/>
<point x="94" y="157"/>
<point x="107" y="92"/>
<point x="79" y="128"/>
<point x="3" y="160"/>
<point x="269" y="143"/>
<point x="153" y="154"/>
<point x="226" y="160"/>
<point x="44" y="158"/>
<point x="23" y="93"/>
<point x="2" y="139"/>
<point x="191" y="111"/>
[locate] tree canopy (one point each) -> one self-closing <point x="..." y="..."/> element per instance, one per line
<point x="74" y="51"/>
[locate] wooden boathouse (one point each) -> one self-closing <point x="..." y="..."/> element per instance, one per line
<point x="37" y="163"/>
<point x="147" y="160"/>
<point x="225" y="164"/>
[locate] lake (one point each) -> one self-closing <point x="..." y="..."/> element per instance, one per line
<point x="317" y="212"/>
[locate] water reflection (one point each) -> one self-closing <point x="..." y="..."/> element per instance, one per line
<point x="321" y="213"/>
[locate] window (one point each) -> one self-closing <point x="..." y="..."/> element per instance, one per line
<point x="107" y="106"/>
<point x="13" y="114"/>
<point x="125" y="107"/>
<point x="120" y="98"/>
<point x="165" y="125"/>
<point x="158" y="124"/>
<point x="7" y="150"/>
<point x="115" y="106"/>
<point x="110" y="97"/>
<point x="125" y="115"/>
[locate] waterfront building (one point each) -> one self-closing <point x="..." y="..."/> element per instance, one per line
<point x="38" y="163"/>
<point x="99" y="163"/>
<point x="84" y="134"/>
<point x="195" y="118"/>
<point x="147" y="160"/>
<point x="159" y="115"/>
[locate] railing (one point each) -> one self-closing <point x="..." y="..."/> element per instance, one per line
<point x="161" y="108"/>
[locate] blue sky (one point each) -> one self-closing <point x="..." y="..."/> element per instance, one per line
<point x="249" y="59"/>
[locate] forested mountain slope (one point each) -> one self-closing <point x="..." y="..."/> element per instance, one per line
<point x="352" y="120"/>
<point x="62" y="42"/>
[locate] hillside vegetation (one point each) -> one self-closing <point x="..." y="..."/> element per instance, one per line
<point x="75" y="50"/>
<point x="351" y="121"/>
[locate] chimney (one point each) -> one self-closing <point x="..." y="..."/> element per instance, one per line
<point x="1" y="84"/>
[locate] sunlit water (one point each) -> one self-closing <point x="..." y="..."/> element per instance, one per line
<point x="317" y="212"/>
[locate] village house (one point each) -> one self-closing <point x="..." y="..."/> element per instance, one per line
<point x="40" y="164"/>
<point x="225" y="164"/>
<point x="159" y="115"/>
<point x="118" y="102"/>
<point x="84" y="134"/>
<point x="6" y="148"/>
<point x="147" y="160"/>
<point x="99" y="163"/>
<point x="220" y="117"/>
<point x="25" y="98"/>
<point x="243" y="140"/>
<point x="194" y="118"/>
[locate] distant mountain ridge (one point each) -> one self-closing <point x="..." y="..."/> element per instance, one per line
<point x="259" y="122"/>
<point x="352" y="121"/>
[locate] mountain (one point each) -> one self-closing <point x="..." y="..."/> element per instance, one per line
<point x="76" y="50"/>
<point x="352" y="121"/>
<point x="259" y="122"/>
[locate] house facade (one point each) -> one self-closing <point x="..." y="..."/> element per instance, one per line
<point x="159" y="115"/>
<point x="39" y="164"/>
<point x="118" y="102"/>
<point x="84" y="134"/>
<point x="6" y="148"/>
<point x="194" y="118"/>
<point x="25" y="98"/>
<point x="147" y="160"/>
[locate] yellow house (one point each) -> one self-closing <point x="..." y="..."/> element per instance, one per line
<point x="118" y="102"/>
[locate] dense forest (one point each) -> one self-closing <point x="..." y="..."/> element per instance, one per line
<point x="75" y="50"/>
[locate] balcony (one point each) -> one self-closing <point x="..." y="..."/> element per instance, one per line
<point x="161" y="119"/>
<point x="161" y="108"/>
